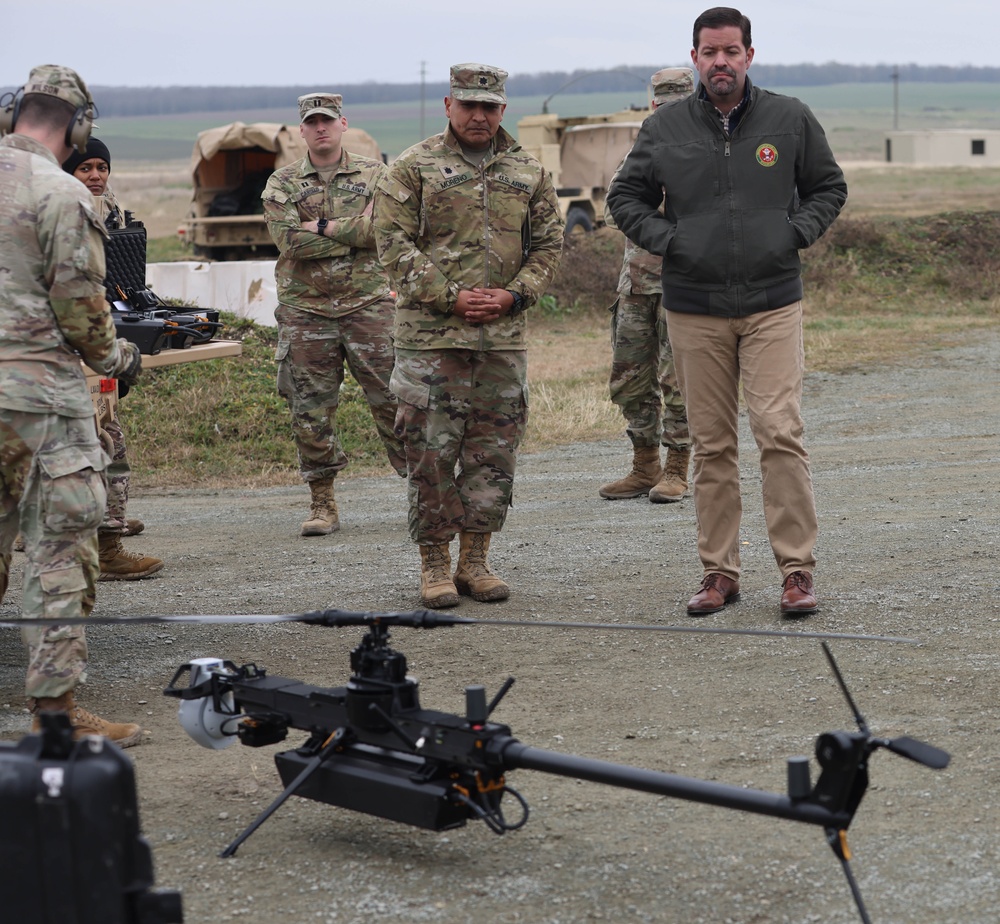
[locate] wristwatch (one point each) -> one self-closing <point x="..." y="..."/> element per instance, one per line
<point x="321" y="226"/>
<point x="518" y="305"/>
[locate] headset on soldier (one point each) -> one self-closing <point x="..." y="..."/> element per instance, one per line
<point x="79" y="127"/>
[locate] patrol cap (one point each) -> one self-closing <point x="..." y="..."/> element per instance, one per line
<point x="61" y="82"/>
<point x="478" y="82"/>
<point x="328" y="104"/>
<point x="671" y="83"/>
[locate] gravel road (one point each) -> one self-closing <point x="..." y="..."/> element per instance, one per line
<point x="906" y="462"/>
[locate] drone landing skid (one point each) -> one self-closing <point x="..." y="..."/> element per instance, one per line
<point x="308" y="769"/>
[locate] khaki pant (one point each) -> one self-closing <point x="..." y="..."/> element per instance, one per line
<point x="765" y="350"/>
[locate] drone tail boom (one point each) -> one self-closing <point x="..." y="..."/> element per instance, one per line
<point x="515" y="755"/>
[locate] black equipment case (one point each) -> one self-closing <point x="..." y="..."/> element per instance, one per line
<point x="139" y="315"/>
<point x="71" y="851"/>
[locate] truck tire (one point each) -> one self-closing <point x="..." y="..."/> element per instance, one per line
<point x="578" y="219"/>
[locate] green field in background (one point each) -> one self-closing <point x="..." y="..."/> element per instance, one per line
<point x="856" y="116"/>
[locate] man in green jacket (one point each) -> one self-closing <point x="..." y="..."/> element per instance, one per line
<point x="469" y="230"/>
<point x="746" y="178"/>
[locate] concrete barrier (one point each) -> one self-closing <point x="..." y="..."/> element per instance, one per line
<point x="245" y="287"/>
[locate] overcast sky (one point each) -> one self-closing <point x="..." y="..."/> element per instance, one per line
<point x="274" y="43"/>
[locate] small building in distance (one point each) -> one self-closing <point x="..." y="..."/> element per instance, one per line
<point x="951" y="148"/>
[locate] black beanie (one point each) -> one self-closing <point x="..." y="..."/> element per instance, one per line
<point x="95" y="148"/>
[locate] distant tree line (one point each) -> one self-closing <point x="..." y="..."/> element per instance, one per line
<point x="135" y="101"/>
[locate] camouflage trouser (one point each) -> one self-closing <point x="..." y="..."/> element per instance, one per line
<point x="311" y="354"/>
<point x="643" y="381"/>
<point x="117" y="477"/>
<point x="461" y="416"/>
<point x="52" y="487"/>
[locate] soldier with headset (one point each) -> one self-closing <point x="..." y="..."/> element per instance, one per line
<point x="53" y="313"/>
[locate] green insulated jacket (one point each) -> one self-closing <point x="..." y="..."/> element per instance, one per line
<point x="737" y="207"/>
<point x="443" y="225"/>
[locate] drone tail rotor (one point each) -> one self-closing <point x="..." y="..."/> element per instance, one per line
<point x="919" y="751"/>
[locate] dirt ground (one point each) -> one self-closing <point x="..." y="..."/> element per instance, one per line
<point x="907" y="469"/>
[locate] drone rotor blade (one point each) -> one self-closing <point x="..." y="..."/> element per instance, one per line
<point x="208" y="620"/>
<point x="432" y="619"/>
<point x="695" y="630"/>
<point x="919" y="751"/>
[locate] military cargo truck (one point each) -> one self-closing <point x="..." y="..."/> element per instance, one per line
<point x="229" y="167"/>
<point x="582" y="154"/>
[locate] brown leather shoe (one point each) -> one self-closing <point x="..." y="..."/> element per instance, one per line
<point x="798" y="598"/>
<point x="716" y="591"/>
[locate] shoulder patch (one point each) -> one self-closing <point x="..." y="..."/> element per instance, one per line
<point x="393" y="188"/>
<point x="93" y="221"/>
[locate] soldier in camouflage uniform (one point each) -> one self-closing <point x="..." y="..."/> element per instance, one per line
<point x="643" y="382"/>
<point x="334" y="303"/>
<point x="469" y="229"/>
<point x="53" y="313"/>
<point x="92" y="167"/>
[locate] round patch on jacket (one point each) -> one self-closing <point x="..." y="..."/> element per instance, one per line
<point x="767" y="155"/>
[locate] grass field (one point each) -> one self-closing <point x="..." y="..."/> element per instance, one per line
<point x="910" y="266"/>
<point x="878" y="291"/>
<point x="856" y="116"/>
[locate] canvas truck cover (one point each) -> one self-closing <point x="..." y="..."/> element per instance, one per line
<point x="591" y="153"/>
<point x="230" y="166"/>
<point x="210" y="173"/>
<point x="581" y="153"/>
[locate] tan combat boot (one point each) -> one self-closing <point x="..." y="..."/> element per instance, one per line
<point x="133" y="527"/>
<point x="473" y="577"/>
<point x="437" y="589"/>
<point x="674" y="483"/>
<point x="118" y="564"/>
<point x="83" y="722"/>
<point x="645" y="474"/>
<point x="323" y="518"/>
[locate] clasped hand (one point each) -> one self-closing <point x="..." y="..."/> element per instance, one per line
<point x="480" y="306"/>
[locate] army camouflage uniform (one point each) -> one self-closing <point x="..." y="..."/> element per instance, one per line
<point x="52" y="308"/>
<point x="444" y="224"/>
<point x="643" y="383"/>
<point x="118" y="474"/>
<point x="108" y="209"/>
<point x="334" y="307"/>
<point x="116" y="563"/>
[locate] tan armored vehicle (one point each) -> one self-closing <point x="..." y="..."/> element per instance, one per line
<point x="229" y="168"/>
<point x="581" y="154"/>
